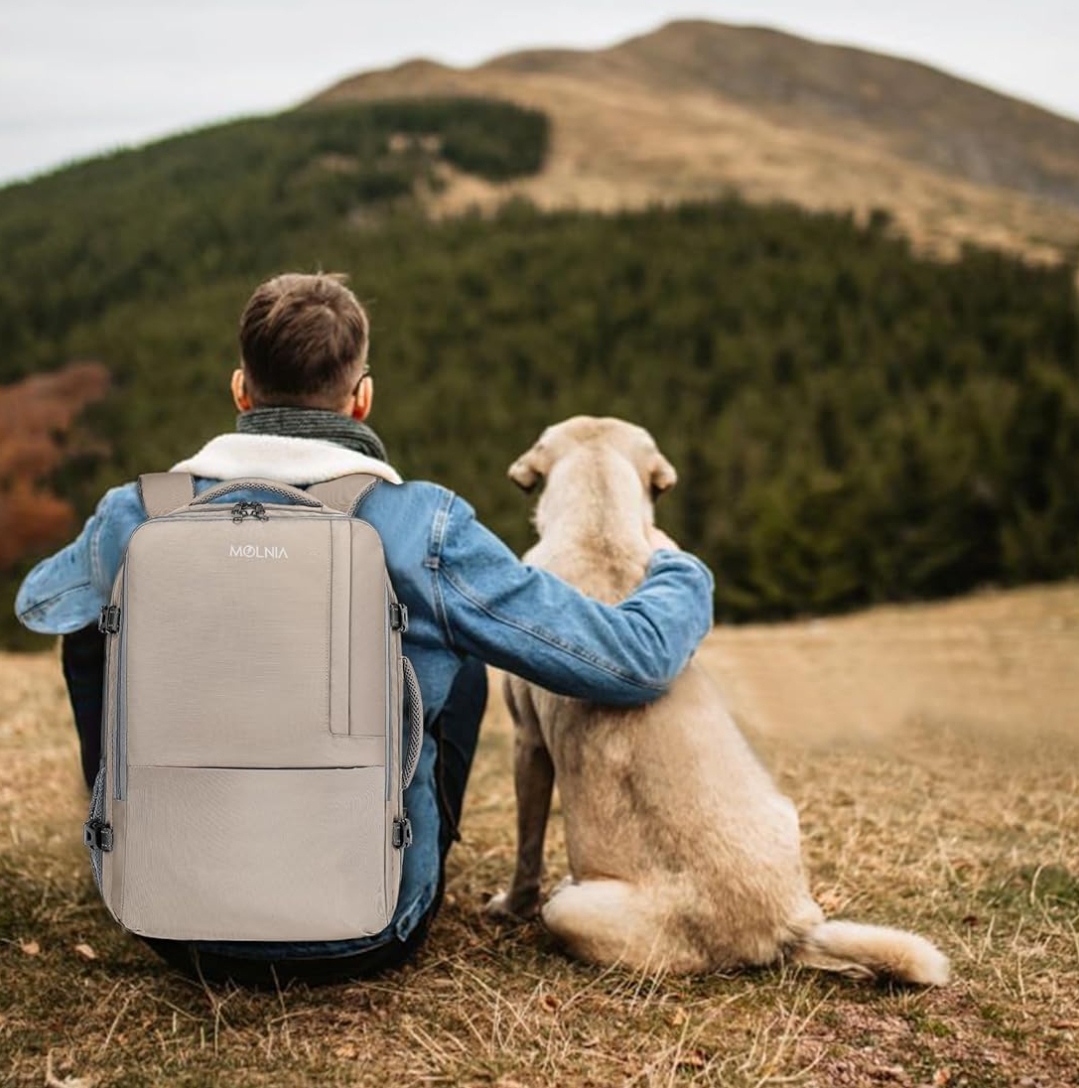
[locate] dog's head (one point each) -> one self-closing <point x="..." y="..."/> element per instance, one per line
<point x="587" y="434"/>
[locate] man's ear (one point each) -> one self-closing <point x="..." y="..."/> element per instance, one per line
<point x="240" y="396"/>
<point x="362" y="399"/>
<point x="527" y="471"/>
<point x="663" y="477"/>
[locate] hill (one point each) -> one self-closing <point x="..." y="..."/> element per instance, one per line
<point x="120" y="270"/>
<point x="697" y="108"/>
<point x="853" y="422"/>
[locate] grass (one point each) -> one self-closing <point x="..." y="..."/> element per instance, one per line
<point x="956" y="826"/>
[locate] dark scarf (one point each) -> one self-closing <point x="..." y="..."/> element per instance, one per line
<point x="317" y="423"/>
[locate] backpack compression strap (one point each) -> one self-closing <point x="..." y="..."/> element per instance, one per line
<point x="345" y="493"/>
<point x="163" y="492"/>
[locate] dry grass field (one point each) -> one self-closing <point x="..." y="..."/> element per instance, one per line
<point x="933" y="752"/>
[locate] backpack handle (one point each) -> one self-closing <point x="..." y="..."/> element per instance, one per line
<point x="255" y="483"/>
<point x="414" y="705"/>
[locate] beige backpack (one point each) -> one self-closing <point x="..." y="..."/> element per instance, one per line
<point x="252" y="768"/>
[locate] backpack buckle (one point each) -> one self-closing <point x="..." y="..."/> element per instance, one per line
<point x="108" y="621"/>
<point x="399" y="617"/>
<point x="402" y="833"/>
<point x="97" y="835"/>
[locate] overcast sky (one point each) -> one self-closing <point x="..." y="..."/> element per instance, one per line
<point x="82" y="76"/>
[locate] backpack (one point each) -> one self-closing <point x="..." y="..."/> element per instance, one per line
<point x="253" y="759"/>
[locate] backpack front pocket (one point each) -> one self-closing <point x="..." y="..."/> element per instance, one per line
<point x="255" y="854"/>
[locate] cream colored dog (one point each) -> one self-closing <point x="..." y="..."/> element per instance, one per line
<point x="684" y="856"/>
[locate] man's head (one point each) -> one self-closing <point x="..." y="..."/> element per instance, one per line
<point x="303" y="342"/>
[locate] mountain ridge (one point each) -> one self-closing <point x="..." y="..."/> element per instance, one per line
<point x="696" y="108"/>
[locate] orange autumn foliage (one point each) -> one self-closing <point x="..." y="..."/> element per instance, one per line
<point x="37" y="421"/>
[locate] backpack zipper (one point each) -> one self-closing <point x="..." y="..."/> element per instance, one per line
<point x="119" y="784"/>
<point x="389" y="700"/>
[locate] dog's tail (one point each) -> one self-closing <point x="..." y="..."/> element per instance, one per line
<point x="863" y="951"/>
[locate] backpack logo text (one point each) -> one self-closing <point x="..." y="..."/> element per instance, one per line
<point x="256" y="551"/>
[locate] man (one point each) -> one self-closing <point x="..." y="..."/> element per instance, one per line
<point x="303" y="392"/>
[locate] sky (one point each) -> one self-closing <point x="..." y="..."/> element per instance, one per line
<point x="79" y="77"/>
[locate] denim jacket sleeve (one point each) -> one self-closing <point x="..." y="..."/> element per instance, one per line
<point x="66" y="591"/>
<point x="531" y="623"/>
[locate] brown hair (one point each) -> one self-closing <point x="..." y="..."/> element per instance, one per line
<point x="303" y="340"/>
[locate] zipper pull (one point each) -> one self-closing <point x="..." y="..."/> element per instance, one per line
<point x="248" y="509"/>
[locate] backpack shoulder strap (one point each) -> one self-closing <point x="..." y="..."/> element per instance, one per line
<point x="346" y="492"/>
<point x="163" y="492"/>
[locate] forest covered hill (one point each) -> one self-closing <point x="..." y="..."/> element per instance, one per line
<point x="697" y="108"/>
<point x="853" y="422"/>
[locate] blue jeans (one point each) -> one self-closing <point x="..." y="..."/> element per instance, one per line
<point x="456" y="730"/>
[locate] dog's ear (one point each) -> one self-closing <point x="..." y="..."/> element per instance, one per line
<point x="531" y="467"/>
<point x="663" y="476"/>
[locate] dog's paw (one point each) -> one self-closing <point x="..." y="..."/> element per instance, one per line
<point x="504" y="910"/>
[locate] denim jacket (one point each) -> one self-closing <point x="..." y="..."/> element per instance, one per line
<point x="467" y="595"/>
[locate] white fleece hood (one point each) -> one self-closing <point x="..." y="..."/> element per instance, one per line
<point x="299" y="461"/>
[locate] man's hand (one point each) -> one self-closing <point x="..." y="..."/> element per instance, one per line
<point x="659" y="540"/>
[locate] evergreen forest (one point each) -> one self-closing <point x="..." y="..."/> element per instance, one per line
<point x="852" y="422"/>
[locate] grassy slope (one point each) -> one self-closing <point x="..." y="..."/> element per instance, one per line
<point x="952" y="808"/>
<point x="696" y="108"/>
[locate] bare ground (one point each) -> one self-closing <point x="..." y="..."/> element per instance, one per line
<point x="932" y="751"/>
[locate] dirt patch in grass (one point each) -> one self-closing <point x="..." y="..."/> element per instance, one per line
<point x="934" y="816"/>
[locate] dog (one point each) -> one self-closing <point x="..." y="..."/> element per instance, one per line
<point x="684" y="856"/>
